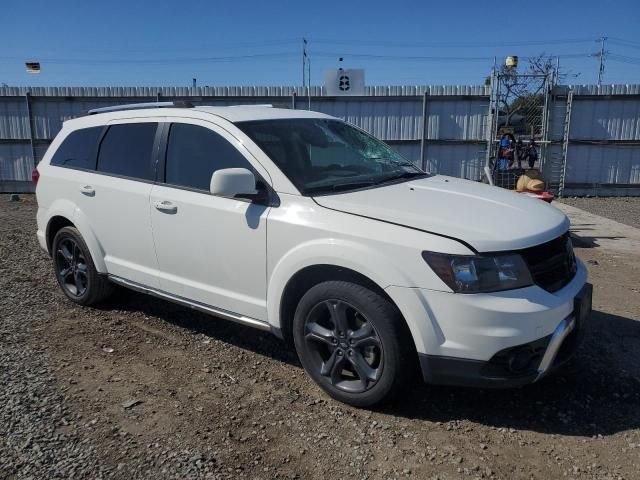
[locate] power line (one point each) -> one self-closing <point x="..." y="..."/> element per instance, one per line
<point x="378" y="43"/>
<point x="602" y="54"/>
<point x="399" y="57"/>
<point x="293" y="41"/>
<point x="233" y="58"/>
<point x="625" y="59"/>
<point x="259" y="56"/>
<point x="625" y="43"/>
<point x="196" y="47"/>
<point x="446" y="58"/>
<point x="148" y="61"/>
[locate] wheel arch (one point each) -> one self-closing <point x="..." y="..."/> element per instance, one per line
<point x="54" y="225"/>
<point x="63" y="214"/>
<point x="311" y="275"/>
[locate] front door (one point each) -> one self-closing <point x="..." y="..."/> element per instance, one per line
<point x="210" y="249"/>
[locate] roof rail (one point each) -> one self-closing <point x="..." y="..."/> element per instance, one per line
<point x="270" y="105"/>
<point x="140" y="106"/>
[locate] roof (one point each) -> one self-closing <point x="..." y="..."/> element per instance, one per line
<point x="243" y="113"/>
<point x="235" y="113"/>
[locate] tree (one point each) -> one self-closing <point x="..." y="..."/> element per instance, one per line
<point x="548" y="64"/>
<point x="521" y="94"/>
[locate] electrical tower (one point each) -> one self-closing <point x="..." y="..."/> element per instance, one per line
<point x="601" y="54"/>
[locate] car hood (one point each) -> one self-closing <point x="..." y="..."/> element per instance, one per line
<point x="488" y="218"/>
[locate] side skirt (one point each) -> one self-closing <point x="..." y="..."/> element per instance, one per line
<point x="217" y="312"/>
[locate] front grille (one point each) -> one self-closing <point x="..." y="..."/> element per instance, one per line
<point x="552" y="264"/>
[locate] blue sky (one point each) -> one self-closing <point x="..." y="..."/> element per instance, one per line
<point x="132" y="42"/>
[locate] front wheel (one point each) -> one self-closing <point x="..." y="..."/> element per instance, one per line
<point x="353" y="342"/>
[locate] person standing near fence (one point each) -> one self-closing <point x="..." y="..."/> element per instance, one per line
<point x="520" y="152"/>
<point x="532" y="153"/>
<point x="505" y="152"/>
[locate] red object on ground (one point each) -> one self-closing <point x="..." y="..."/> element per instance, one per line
<point x="545" y="196"/>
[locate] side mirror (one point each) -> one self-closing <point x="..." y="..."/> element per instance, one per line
<point x="235" y="183"/>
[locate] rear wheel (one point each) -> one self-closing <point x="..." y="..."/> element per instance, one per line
<point x="75" y="270"/>
<point x="352" y="341"/>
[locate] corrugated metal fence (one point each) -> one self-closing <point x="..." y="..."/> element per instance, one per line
<point x="443" y="128"/>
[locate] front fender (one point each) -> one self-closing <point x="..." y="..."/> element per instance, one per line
<point x="339" y="253"/>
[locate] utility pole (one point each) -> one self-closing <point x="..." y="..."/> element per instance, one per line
<point x="304" y="61"/>
<point x="601" y="54"/>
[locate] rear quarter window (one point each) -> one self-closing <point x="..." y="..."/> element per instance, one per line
<point x="127" y="150"/>
<point x="78" y="150"/>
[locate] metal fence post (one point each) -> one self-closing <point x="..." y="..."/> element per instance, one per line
<point x="544" y="148"/>
<point x="565" y="142"/>
<point x="27" y="97"/>
<point x="293" y="101"/>
<point x="423" y="136"/>
<point x="491" y="128"/>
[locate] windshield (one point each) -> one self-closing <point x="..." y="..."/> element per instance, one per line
<point x="325" y="156"/>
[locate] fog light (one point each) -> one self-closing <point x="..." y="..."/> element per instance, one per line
<point x="521" y="360"/>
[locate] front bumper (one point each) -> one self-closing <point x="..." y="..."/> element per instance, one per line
<point x="519" y="365"/>
<point x="468" y="339"/>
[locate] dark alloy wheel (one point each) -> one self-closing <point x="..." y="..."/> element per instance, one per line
<point x="71" y="267"/>
<point x="345" y="346"/>
<point x="75" y="270"/>
<point x="353" y="342"/>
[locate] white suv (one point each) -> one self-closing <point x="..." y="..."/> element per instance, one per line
<point x="301" y="224"/>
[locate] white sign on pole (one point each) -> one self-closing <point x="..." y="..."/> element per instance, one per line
<point x="344" y="82"/>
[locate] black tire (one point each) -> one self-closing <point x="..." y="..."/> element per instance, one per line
<point x="75" y="270"/>
<point x="385" y="344"/>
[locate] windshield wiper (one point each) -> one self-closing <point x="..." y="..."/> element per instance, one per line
<point x="394" y="162"/>
<point x="402" y="175"/>
<point x="338" y="187"/>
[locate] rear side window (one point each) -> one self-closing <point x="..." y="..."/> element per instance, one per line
<point x="78" y="150"/>
<point x="127" y="149"/>
<point x="195" y="152"/>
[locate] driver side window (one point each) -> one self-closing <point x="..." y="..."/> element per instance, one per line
<point x="195" y="152"/>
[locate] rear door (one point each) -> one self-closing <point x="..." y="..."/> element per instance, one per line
<point x="210" y="249"/>
<point x="72" y="166"/>
<point x="115" y="199"/>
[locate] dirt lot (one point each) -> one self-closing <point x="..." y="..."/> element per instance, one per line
<point x="141" y="388"/>
<point x="621" y="209"/>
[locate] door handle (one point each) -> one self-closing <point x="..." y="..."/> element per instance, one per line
<point x="166" y="207"/>
<point x="87" y="190"/>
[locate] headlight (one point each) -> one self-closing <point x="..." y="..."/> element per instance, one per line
<point x="480" y="273"/>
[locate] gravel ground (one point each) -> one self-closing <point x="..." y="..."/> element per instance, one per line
<point x="141" y="388"/>
<point x="621" y="209"/>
